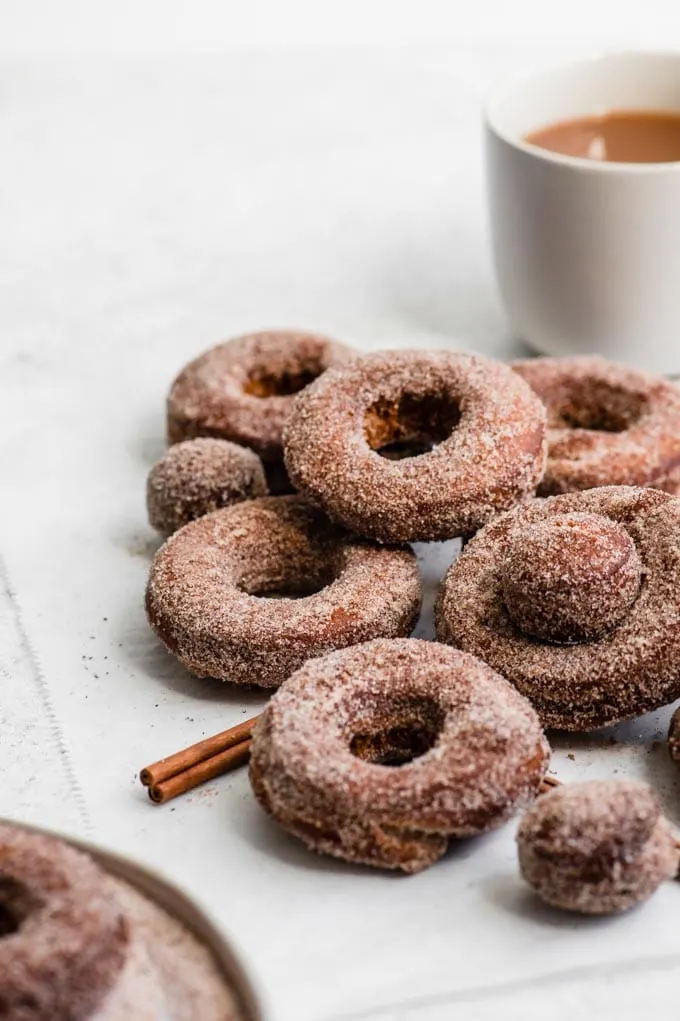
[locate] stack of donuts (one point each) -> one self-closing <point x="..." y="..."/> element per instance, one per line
<point x="298" y="474"/>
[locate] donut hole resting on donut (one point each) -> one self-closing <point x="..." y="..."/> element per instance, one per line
<point x="570" y="577"/>
<point x="411" y="426"/>
<point x="16" y="904"/>
<point x="401" y="731"/>
<point x="592" y="640"/>
<point x="597" y="406"/>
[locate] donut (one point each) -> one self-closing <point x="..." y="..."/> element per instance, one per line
<point x="608" y="425"/>
<point x="198" y="476"/>
<point x="598" y="847"/>
<point x="406" y="446"/>
<point x="576" y="600"/>
<point x="382" y="753"/>
<point x="242" y="390"/>
<point x="77" y="944"/>
<point x="63" y="940"/>
<point x="210" y="596"/>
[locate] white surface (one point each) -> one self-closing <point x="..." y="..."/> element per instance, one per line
<point x="149" y="209"/>
<point x="161" y="25"/>
<point x="586" y="251"/>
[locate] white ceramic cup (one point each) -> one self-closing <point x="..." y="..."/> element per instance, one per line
<point x="587" y="254"/>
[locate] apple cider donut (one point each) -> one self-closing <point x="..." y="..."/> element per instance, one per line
<point x="382" y="753"/>
<point x="79" y="944"/>
<point x="63" y="938"/>
<point x="598" y="847"/>
<point x="247" y="594"/>
<point x="608" y="425"/>
<point x="407" y="446"/>
<point x="198" y="476"/>
<point x="576" y="600"/>
<point x="242" y="390"/>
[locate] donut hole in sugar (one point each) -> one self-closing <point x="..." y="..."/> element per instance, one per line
<point x="16" y="904"/>
<point x="411" y="426"/>
<point x="598" y="406"/>
<point x="399" y="732"/>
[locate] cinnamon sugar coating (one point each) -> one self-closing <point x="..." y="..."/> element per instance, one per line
<point x="633" y="667"/>
<point x="608" y="424"/>
<point x="63" y="938"/>
<point x="382" y="753"/>
<point x="211" y="588"/>
<point x="198" y="476"/>
<point x="482" y="434"/>
<point x="76" y="944"/>
<point x="570" y="577"/>
<point x="242" y="390"/>
<point x="598" y="847"/>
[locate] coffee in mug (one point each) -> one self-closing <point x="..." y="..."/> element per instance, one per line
<point x="619" y="136"/>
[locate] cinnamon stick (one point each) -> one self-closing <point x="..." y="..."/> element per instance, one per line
<point x="180" y="762"/>
<point x="208" y="769"/>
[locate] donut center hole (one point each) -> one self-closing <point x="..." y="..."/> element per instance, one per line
<point x="599" y="407"/>
<point x="297" y="582"/>
<point x="411" y="426"/>
<point x="281" y="384"/>
<point x="402" y="734"/>
<point x="15" y="905"/>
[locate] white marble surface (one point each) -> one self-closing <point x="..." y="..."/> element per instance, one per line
<point x="150" y="208"/>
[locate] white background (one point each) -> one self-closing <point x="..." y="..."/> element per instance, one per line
<point x="47" y="25"/>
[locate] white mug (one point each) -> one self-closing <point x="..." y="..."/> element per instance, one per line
<point x="587" y="253"/>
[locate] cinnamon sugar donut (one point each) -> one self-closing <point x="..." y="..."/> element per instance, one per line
<point x="242" y="390"/>
<point x="607" y="424"/>
<point x="382" y="753"/>
<point x="482" y="433"/>
<point x="63" y="941"/>
<point x="576" y="600"/>
<point x="211" y="590"/>
<point x="199" y="476"/>
<point x="598" y="848"/>
<point x="77" y="944"/>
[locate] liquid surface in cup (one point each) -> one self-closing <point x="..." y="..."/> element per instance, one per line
<point x="619" y="136"/>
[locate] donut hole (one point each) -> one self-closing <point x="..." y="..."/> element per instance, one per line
<point x="265" y="383"/>
<point x="16" y="903"/>
<point x="401" y="733"/>
<point x="569" y="577"/>
<point x="411" y="426"/>
<point x="287" y="580"/>
<point x="599" y="407"/>
<point x="285" y="589"/>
